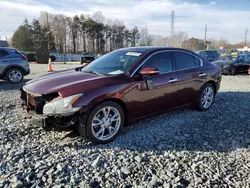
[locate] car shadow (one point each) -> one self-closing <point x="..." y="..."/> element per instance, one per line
<point x="223" y="128"/>
<point x="5" y="85"/>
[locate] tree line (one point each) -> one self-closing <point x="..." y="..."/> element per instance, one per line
<point x="79" y="34"/>
<point x="96" y="34"/>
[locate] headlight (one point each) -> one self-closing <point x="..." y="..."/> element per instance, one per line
<point x="225" y="66"/>
<point x="62" y="106"/>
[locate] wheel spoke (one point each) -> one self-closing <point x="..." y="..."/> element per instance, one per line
<point x="100" y="131"/>
<point x="106" y="111"/>
<point x="113" y="117"/>
<point x="96" y="119"/>
<point x="103" y="133"/>
<point x="97" y="124"/>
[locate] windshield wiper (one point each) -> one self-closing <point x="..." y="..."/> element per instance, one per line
<point x="93" y="72"/>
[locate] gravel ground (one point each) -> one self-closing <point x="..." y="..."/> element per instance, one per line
<point x="185" y="148"/>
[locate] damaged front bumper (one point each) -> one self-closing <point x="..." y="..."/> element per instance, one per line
<point x="31" y="109"/>
<point x="32" y="114"/>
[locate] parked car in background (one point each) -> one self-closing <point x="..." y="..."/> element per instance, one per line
<point x="87" y="58"/>
<point x="233" y="64"/>
<point x="121" y="87"/>
<point x="13" y="65"/>
<point x="210" y="55"/>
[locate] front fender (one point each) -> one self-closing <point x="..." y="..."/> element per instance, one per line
<point x="93" y="97"/>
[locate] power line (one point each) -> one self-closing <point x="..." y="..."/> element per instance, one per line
<point x="172" y="22"/>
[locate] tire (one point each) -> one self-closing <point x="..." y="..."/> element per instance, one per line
<point x="14" y="75"/>
<point x="232" y="71"/>
<point x="103" y="125"/>
<point x="203" y="106"/>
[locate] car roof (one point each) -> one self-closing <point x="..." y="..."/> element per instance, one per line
<point x="7" y="48"/>
<point x="152" y="48"/>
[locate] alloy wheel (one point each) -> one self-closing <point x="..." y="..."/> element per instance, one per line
<point x="207" y="97"/>
<point x="15" y="76"/>
<point x="106" y="123"/>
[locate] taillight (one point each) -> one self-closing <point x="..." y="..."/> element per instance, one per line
<point x="24" y="58"/>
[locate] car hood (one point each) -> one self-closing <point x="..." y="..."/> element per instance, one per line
<point x="57" y="81"/>
<point x="223" y="62"/>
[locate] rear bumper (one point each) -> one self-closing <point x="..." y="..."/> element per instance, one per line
<point x="26" y="71"/>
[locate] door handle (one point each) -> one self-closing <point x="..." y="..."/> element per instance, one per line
<point x="202" y="74"/>
<point x="173" y="80"/>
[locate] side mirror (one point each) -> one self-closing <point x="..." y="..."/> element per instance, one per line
<point x="79" y="68"/>
<point x="149" y="71"/>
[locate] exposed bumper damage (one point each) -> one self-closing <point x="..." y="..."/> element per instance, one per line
<point x="31" y="108"/>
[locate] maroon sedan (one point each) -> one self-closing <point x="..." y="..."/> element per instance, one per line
<point x="119" y="88"/>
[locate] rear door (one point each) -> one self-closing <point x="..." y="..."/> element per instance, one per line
<point x="191" y="75"/>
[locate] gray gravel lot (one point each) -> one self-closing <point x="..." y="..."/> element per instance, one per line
<point x="185" y="148"/>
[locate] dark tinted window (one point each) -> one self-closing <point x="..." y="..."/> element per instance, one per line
<point x="209" y="53"/>
<point x="203" y="54"/>
<point x="162" y="61"/>
<point x="14" y="53"/>
<point x="3" y="53"/>
<point x="215" y="53"/>
<point x="197" y="62"/>
<point x="185" y="61"/>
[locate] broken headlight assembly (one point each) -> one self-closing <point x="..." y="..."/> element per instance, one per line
<point x="62" y="106"/>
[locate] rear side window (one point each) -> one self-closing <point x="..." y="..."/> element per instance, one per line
<point x="185" y="61"/>
<point x="14" y="53"/>
<point x="3" y="53"/>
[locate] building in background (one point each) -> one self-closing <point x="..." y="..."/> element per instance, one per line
<point x="4" y="43"/>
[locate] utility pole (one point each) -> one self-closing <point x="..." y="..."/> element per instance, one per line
<point x="47" y="25"/>
<point x="205" y="38"/>
<point x="172" y="22"/>
<point x="246" y="37"/>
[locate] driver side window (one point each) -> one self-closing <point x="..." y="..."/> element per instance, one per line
<point x="161" y="61"/>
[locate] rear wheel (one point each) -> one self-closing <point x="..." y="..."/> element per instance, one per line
<point x="14" y="75"/>
<point x="104" y="123"/>
<point x="206" y="97"/>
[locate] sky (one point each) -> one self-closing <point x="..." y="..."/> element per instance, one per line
<point x="224" y="18"/>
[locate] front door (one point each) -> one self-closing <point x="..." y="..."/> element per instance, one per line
<point x="157" y="93"/>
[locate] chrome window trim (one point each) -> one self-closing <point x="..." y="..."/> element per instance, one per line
<point x="201" y="62"/>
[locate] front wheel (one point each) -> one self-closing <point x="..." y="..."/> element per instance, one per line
<point x="232" y="71"/>
<point x="104" y="122"/>
<point x="206" y="97"/>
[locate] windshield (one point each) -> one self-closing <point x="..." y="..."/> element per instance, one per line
<point x="114" y="63"/>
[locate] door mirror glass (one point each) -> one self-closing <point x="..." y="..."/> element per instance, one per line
<point x="149" y="71"/>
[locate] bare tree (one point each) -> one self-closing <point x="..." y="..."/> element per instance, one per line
<point x="146" y="39"/>
<point x="98" y="17"/>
